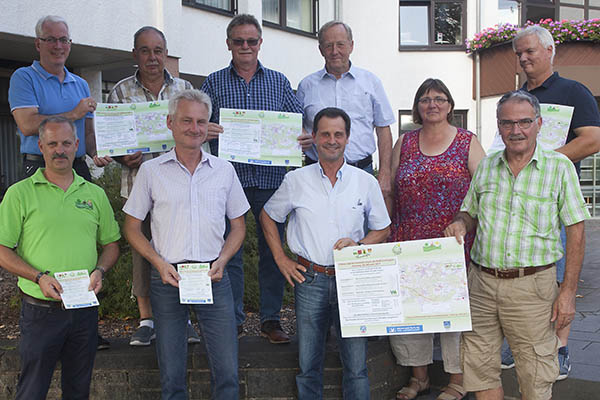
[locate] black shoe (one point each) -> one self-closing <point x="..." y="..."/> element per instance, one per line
<point x="103" y="344"/>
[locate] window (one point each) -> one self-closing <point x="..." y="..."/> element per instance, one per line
<point x="227" y="7"/>
<point x="295" y="15"/>
<point x="407" y="124"/>
<point x="432" y="24"/>
<point x="534" y="10"/>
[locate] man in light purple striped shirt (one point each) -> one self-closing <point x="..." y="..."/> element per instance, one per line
<point x="188" y="194"/>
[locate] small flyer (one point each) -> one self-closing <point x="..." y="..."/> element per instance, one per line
<point x="75" y="289"/>
<point x="195" y="286"/>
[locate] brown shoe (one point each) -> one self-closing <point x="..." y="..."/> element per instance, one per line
<point x="272" y="331"/>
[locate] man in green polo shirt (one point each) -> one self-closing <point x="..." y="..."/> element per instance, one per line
<point x="517" y="200"/>
<point x="51" y="222"/>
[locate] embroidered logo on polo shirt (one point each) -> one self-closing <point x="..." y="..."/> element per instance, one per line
<point x="84" y="204"/>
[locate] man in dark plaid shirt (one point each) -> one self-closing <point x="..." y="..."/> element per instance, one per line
<point x="247" y="84"/>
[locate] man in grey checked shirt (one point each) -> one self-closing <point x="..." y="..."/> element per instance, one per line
<point x="247" y="84"/>
<point x="517" y="200"/>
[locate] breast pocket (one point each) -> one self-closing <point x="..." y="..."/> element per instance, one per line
<point x="354" y="220"/>
<point x="538" y="214"/>
<point x="359" y="105"/>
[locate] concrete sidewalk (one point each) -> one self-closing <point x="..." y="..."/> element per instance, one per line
<point x="583" y="382"/>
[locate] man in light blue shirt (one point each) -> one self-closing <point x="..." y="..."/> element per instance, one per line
<point x="359" y="93"/>
<point x="329" y="204"/>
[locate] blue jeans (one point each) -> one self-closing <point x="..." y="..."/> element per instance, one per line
<point x="316" y="308"/>
<point x="270" y="281"/>
<point x="217" y="326"/>
<point x="52" y="334"/>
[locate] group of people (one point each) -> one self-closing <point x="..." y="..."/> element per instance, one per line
<point x="186" y="205"/>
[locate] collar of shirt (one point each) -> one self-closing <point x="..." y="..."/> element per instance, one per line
<point x="168" y="79"/>
<point x="259" y="69"/>
<point x="37" y="67"/>
<point x="539" y="161"/>
<point x="39" y="178"/>
<point x="339" y="174"/>
<point x="546" y="84"/>
<point x="351" y="73"/>
<point x="171" y="156"/>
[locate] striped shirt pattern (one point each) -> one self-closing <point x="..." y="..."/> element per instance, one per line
<point x="519" y="217"/>
<point x="267" y="90"/>
<point x="131" y="90"/>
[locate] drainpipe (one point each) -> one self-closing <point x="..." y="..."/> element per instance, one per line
<point x="478" y="76"/>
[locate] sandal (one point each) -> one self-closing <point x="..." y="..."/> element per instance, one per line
<point x="454" y="386"/>
<point x="408" y="393"/>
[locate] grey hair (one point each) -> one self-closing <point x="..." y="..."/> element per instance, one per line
<point x="56" y="120"/>
<point x="331" y="24"/>
<point x="39" y="31"/>
<point x="144" y="29"/>
<point x="191" y="95"/>
<point x="244" y="19"/>
<point x="519" y="96"/>
<point x="543" y="35"/>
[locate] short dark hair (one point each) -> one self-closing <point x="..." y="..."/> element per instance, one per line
<point x="144" y="29"/>
<point x="56" y="119"/>
<point x="243" y="19"/>
<point x="438" y="86"/>
<point x="332" y="112"/>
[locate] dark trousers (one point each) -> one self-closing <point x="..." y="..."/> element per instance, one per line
<point x="79" y="165"/>
<point x="51" y="334"/>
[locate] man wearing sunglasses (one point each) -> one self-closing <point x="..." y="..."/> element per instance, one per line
<point x="47" y="88"/>
<point x="247" y="84"/>
<point x="358" y="92"/>
<point x="517" y="200"/>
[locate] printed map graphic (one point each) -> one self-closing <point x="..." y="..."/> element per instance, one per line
<point x="279" y="139"/>
<point x="433" y="288"/>
<point x="152" y="125"/>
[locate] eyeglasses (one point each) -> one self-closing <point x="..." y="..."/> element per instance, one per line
<point x="438" y="101"/>
<point x="340" y="45"/>
<point x="507" y="124"/>
<point x="240" y="42"/>
<point x="53" y="40"/>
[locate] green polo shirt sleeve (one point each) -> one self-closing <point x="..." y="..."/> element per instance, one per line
<point x="108" y="229"/>
<point x="11" y="218"/>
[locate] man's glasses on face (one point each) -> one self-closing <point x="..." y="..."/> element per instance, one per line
<point x="507" y="124"/>
<point x="53" y="40"/>
<point x="240" y="42"/>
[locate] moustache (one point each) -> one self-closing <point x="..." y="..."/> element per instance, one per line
<point x="61" y="155"/>
<point x="515" y="137"/>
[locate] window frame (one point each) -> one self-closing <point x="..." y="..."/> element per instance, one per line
<point x="282" y="25"/>
<point x="586" y="7"/>
<point x="432" y="46"/>
<point x="232" y="3"/>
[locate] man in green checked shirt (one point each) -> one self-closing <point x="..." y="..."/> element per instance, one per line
<point x="517" y="199"/>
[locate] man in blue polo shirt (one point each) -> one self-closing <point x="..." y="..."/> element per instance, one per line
<point x="47" y="88"/>
<point x="534" y="47"/>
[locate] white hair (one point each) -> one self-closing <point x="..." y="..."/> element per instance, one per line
<point x="39" y="31"/>
<point x="191" y="95"/>
<point x="543" y="35"/>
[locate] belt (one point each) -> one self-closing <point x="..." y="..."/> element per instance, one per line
<point x="37" y="157"/>
<point x="328" y="270"/>
<point x="358" y="164"/>
<point x="193" y="262"/>
<point x="513" y="272"/>
<point x="41" y="303"/>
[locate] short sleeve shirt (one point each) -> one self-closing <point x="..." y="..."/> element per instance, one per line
<point x="358" y="92"/>
<point x="34" y="87"/>
<point x="56" y="230"/>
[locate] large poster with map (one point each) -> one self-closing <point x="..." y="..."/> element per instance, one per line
<point x="402" y="288"/>
<point x="260" y="137"/>
<point x="556" y="120"/>
<point x="127" y="128"/>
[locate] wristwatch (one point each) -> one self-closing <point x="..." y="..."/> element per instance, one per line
<point x="101" y="269"/>
<point x="39" y="276"/>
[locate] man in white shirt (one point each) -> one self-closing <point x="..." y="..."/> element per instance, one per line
<point x="328" y="203"/>
<point x="188" y="194"/>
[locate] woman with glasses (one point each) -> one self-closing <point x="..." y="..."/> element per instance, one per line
<point x="432" y="168"/>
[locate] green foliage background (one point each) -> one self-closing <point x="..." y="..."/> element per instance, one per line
<point x="116" y="300"/>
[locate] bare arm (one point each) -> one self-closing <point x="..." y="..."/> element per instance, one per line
<point x="108" y="258"/>
<point x="384" y="145"/>
<point x="585" y="144"/>
<point x="373" y="237"/>
<point x="289" y="268"/>
<point x="396" y="152"/>
<point x="10" y="261"/>
<point x="133" y="232"/>
<point x="232" y="244"/>
<point x="563" y="309"/>
<point x="460" y="226"/>
<point x="476" y="154"/>
<point x="29" y="119"/>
